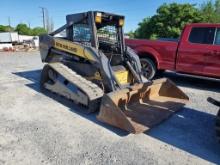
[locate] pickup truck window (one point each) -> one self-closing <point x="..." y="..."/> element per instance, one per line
<point x="202" y="35"/>
<point x="217" y="37"/>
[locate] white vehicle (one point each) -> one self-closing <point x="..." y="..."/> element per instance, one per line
<point x="9" y="37"/>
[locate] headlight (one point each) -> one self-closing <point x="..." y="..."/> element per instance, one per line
<point x="98" y="18"/>
<point x="121" y="22"/>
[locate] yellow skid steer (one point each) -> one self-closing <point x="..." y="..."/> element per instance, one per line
<point x="88" y="63"/>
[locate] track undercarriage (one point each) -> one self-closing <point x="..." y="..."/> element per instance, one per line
<point x="61" y="80"/>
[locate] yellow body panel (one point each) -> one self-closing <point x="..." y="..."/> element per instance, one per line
<point x="122" y="77"/>
<point x="73" y="48"/>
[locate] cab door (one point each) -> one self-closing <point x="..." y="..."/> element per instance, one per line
<point x="193" y="50"/>
<point x="212" y="67"/>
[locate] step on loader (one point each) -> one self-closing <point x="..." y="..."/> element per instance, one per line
<point x="87" y="62"/>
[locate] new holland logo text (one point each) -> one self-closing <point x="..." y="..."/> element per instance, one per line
<point x="67" y="47"/>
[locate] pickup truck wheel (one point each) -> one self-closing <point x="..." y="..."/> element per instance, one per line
<point x="148" y="68"/>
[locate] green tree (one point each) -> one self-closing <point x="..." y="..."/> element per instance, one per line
<point x="130" y="34"/>
<point x="6" y="28"/>
<point x="168" y="21"/>
<point x="217" y="6"/>
<point x="211" y="11"/>
<point x="23" y="29"/>
<point x="38" y="31"/>
<point x="145" y="29"/>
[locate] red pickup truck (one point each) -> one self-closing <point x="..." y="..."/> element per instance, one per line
<point x="196" y="52"/>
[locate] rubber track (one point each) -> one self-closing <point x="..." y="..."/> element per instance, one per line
<point x="90" y="89"/>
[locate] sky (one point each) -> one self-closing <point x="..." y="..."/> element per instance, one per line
<point x="29" y="12"/>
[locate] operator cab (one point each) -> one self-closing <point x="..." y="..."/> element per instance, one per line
<point x="103" y="31"/>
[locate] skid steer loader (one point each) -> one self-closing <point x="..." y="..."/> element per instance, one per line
<point x="88" y="63"/>
<point x="217" y="126"/>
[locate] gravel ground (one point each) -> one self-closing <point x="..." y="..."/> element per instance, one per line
<point x="36" y="129"/>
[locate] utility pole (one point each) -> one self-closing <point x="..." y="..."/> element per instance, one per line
<point x="43" y="14"/>
<point x="9" y="23"/>
<point x="29" y="24"/>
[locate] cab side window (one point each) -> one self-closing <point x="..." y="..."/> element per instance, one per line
<point x="217" y="37"/>
<point x="202" y="35"/>
<point x="81" y="33"/>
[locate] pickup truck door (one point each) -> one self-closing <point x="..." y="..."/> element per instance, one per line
<point x="193" y="49"/>
<point x="212" y="67"/>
